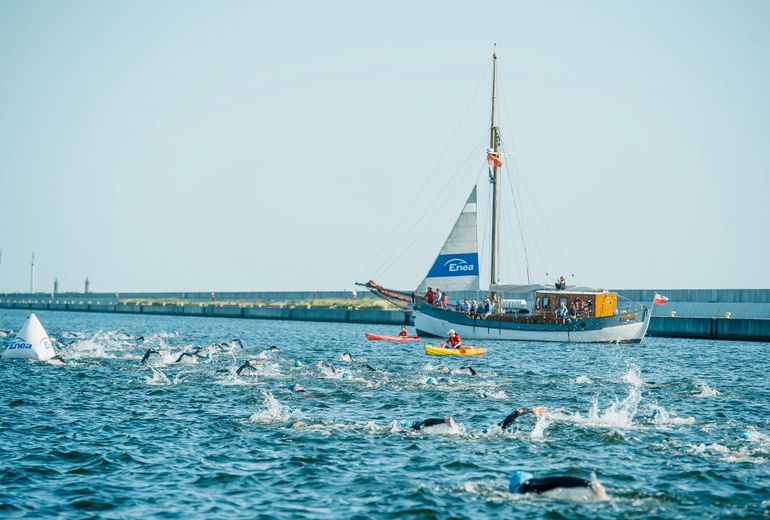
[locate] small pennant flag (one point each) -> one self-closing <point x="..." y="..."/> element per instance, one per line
<point x="660" y="299"/>
<point x="494" y="159"/>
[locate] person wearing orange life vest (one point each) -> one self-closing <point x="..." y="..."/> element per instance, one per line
<point x="404" y="333"/>
<point x="453" y="341"/>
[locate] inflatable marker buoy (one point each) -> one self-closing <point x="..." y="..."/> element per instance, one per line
<point x="31" y="342"/>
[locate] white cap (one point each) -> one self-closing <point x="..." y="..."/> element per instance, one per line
<point x="452" y="331"/>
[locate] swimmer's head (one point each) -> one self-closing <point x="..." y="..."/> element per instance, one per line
<point x="345" y="375"/>
<point x="450" y="421"/>
<point x="297" y="363"/>
<point x="517" y="479"/>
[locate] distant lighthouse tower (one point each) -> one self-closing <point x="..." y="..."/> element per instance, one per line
<point x="87" y="286"/>
<point x="32" y="274"/>
<point x="55" y="287"/>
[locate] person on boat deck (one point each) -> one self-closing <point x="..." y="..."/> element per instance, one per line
<point x="439" y="297"/>
<point x="445" y="301"/>
<point x="487" y="307"/>
<point x="562" y="312"/>
<point x="453" y="341"/>
<point x="430" y="296"/>
<point x="561" y="284"/>
<point x="404" y="333"/>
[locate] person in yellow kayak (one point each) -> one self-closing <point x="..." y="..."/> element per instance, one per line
<point x="404" y="333"/>
<point x="453" y="341"/>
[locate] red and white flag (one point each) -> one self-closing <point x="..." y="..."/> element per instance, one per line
<point x="660" y="299"/>
<point x="494" y="159"/>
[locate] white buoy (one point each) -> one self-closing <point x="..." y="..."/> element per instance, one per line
<point x="31" y="342"/>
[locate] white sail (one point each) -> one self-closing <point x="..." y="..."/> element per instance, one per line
<point x="457" y="266"/>
<point x="31" y="342"/>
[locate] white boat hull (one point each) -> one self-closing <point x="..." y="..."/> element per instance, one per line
<point x="627" y="333"/>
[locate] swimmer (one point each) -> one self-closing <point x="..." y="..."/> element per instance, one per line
<point x="470" y="370"/>
<point x="296" y="387"/>
<point x="57" y="360"/>
<point x="346" y="356"/>
<point x="235" y="343"/>
<point x="524" y="482"/>
<point x="151" y="352"/>
<point x="273" y="348"/>
<point x="249" y="365"/>
<point x="445" y="425"/>
<point x="369" y="367"/>
<point x="203" y="353"/>
<point x="186" y="357"/>
<point x="328" y="366"/>
<point x="536" y="410"/>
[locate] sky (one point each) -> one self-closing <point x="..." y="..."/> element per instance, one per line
<point x="247" y="146"/>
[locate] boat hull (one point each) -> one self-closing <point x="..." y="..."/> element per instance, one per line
<point x="614" y="329"/>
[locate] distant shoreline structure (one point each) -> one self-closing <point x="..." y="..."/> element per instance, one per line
<point x="731" y="314"/>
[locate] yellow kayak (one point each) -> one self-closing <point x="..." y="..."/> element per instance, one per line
<point x="440" y="350"/>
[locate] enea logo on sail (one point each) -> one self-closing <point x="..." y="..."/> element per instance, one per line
<point x="466" y="264"/>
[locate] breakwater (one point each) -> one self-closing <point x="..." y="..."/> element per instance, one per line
<point x="743" y="329"/>
<point x="349" y="314"/>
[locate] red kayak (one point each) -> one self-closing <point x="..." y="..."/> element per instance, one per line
<point x="378" y="337"/>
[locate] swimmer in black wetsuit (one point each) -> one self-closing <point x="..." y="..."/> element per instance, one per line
<point x="536" y="410"/>
<point x="524" y="482"/>
<point x="470" y="370"/>
<point x="250" y="364"/>
<point x="434" y="421"/>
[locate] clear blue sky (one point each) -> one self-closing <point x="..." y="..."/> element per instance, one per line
<point x="275" y="145"/>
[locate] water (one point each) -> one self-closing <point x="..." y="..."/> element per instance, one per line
<point x="672" y="428"/>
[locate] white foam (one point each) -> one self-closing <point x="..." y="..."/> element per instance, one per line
<point x="662" y="417"/>
<point x="633" y="376"/>
<point x="274" y="411"/>
<point x="582" y="380"/>
<point x="705" y="390"/>
<point x="726" y="454"/>
<point x="158" y="378"/>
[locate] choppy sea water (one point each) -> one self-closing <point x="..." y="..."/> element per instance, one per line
<point x="672" y="428"/>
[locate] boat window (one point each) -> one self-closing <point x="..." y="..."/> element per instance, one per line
<point x="546" y="302"/>
<point x="537" y="303"/>
<point x="563" y="300"/>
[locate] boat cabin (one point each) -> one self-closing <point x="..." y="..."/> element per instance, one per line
<point x="583" y="304"/>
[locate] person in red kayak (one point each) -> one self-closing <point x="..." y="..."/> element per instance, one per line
<point x="404" y="333"/>
<point x="453" y="341"/>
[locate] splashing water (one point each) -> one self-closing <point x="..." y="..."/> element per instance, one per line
<point x="274" y="411"/>
<point x="705" y="390"/>
<point x="633" y="377"/>
<point x="158" y="378"/>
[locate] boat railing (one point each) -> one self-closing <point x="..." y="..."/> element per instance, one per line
<point x="548" y="316"/>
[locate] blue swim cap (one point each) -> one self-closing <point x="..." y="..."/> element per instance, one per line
<point x="345" y="375"/>
<point x="430" y="381"/>
<point x="297" y="363"/>
<point x="517" y="478"/>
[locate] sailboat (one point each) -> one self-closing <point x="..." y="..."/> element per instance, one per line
<point x="529" y="312"/>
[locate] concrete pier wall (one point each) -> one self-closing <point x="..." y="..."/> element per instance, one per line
<point x="340" y="315"/>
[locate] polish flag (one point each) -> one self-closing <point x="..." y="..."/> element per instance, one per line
<point x="494" y="159"/>
<point x="660" y="299"/>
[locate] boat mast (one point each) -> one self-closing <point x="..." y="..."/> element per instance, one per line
<point x="494" y="143"/>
